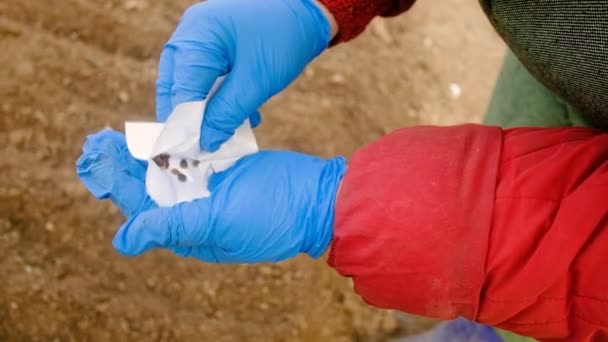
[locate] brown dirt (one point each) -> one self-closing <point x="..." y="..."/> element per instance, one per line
<point x="71" y="67"/>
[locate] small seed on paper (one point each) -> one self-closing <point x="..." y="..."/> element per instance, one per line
<point x="180" y="176"/>
<point x="162" y="160"/>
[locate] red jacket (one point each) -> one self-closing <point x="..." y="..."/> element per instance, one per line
<point x="508" y="228"/>
<point x="353" y="15"/>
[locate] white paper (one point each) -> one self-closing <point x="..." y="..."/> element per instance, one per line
<point x="180" y="171"/>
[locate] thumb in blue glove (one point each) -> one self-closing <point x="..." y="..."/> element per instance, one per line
<point x="269" y="206"/>
<point x="263" y="45"/>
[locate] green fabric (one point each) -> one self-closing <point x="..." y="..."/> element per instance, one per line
<point x="511" y="337"/>
<point x="520" y="100"/>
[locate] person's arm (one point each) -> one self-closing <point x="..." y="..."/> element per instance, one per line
<point x="508" y="228"/>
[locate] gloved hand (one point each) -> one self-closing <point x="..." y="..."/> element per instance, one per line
<point x="108" y="170"/>
<point x="269" y="206"/>
<point x="263" y="45"/>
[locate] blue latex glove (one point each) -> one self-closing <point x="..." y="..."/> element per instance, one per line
<point x="267" y="207"/>
<point x="263" y="45"/>
<point x="109" y="171"/>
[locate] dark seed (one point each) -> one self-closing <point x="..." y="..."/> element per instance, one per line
<point x="162" y="160"/>
<point x="183" y="164"/>
<point x="180" y="176"/>
<point x="195" y="163"/>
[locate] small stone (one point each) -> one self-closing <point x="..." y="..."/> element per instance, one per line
<point x="28" y="269"/>
<point x="14" y="306"/>
<point x="132" y="5"/>
<point x="24" y="69"/>
<point x="83" y="324"/>
<point x="124" y="97"/>
<point x="124" y="325"/>
<point x="325" y="102"/>
<point x="427" y="42"/>
<point x="121" y="286"/>
<point x="390" y="324"/>
<point x="287" y="277"/>
<point x="49" y="226"/>
<point x="455" y="90"/>
<point x="264" y="306"/>
<point x="25" y="110"/>
<point x="266" y="270"/>
<point x="102" y="307"/>
<point x="338" y="79"/>
<point x="309" y="72"/>
<point x="41" y="117"/>
<point x="151" y="283"/>
<point x="379" y="29"/>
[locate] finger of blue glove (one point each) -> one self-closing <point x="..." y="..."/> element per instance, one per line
<point x="108" y="171"/>
<point x="183" y="225"/>
<point x="229" y="107"/>
<point x="197" y="66"/>
<point x="164" y="84"/>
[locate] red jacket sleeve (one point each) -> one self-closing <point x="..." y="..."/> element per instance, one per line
<point x="508" y="228"/>
<point x="353" y="16"/>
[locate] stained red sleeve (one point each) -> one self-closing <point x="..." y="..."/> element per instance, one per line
<point x="353" y="16"/>
<point x="508" y="228"/>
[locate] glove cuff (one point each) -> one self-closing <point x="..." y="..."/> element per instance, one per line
<point x="322" y="227"/>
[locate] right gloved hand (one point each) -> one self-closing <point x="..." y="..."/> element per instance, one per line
<point x="263" y="45"/>
<point x="269" y="206"/>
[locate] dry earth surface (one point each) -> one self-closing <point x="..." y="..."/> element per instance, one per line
<point x="71" y="67"/>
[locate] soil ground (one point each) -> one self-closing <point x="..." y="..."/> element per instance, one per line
<point x="71" y="67"/>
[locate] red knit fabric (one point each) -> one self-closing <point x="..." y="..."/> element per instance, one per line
<point x="353" y="16"/>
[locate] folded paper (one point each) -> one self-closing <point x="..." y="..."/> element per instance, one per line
<point x="178" y="170"/>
